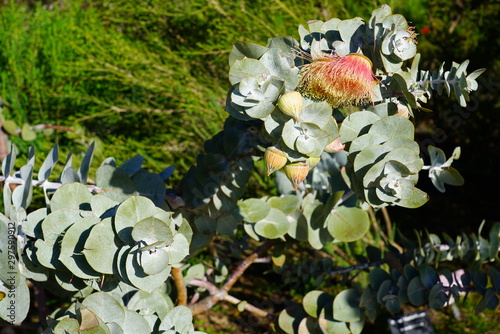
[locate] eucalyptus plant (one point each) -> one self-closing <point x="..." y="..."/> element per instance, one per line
<point x="331" y="116"/>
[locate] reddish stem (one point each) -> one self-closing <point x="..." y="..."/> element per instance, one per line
<point x="217" y="295"/>
<point x="179" y="284"/>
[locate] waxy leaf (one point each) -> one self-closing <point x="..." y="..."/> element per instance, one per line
<point x="348" y="224"/>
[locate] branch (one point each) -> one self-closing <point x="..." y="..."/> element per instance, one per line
<point x="174" y="201"/>
<point x="217" y="294"/>
<point x="214" y="291"/>
<point x="210" y="287"/>
<point x="44" y="184"/>
<point x="356" y="267"/>
<point x="180" y="286"/>
<point x="246" y="263"/>
<point x="250" y="308"/>
<point x="387" y="219"/>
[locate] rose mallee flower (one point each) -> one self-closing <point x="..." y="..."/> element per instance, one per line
<point x="339" y="80"/>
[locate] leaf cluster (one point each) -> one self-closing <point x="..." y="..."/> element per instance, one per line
<point x="102" y="237"/>
<point x="384" y="157"/>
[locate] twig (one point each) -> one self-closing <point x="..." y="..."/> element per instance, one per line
<point x="249" y="307"/>
<point x="246" y="263"/>
<point x="214" y="291"/>
<point x="262" y="260"/>
<point x="387" y="219"/>
<point x="343" y="255"/>
<point x="180" y="286"/>
<point x="356" y="267"/>
<point x="210" y="287"/>
<point x="217" y="294"/>
<point x="45" y="184"/>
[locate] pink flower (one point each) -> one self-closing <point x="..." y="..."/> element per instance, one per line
<point x="339" y="80"/>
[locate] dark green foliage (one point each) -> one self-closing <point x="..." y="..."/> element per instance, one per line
<point x="416" y="283"/>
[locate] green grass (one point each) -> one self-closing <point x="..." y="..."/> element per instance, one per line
<point x="150" y="78"/>
<point x="141" y="78"/>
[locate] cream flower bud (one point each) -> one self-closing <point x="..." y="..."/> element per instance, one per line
<point x="296" y="173"/>
<point x="275" y="159"/>
<point x="291" y="104"/>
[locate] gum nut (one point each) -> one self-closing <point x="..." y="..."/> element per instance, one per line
<point x="275" y="159"/>
<point x="296" y="173"/>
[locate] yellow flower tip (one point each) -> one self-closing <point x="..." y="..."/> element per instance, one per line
<point x="339" y="80"/>
<point x="275" y="159"/>
<point x="334" y="146"/>
<point x="296" y="173"/>
<point x="313" y="161"/>
<point x="291" y="104"/>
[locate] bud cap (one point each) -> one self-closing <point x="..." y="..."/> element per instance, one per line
<point x="291" y="104"/>
<point x="275" y="159"/>
<point x="296" y="173"/>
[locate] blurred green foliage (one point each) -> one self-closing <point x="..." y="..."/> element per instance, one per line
<point x="149" y="77"/>
<point x="143" y="77"/>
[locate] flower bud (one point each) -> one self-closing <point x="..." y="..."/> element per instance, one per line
<point x="403" y="111"/>
<point x="275" y="159"/>
<point x="313" y="161"/>
<point x="296" y="173"/>
<point x="291" y="104"/>
<point x="334" y="146"/>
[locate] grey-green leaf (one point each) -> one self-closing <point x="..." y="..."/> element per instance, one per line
<point x="245" y="67"/>
<point x="152" y="230"/>
<point x="48" y="164"/>
<point x="71" y="196"/>
<point x="273" y="226"/>
<point x="246" y="49"/>
<point x="348" y="224"/>
<point x="131" y="211"/>
<point x="346" y="306"/>
<point x="253" y="209"/>
<point x="83" y="170"/>
<point x="100" y="246"/>
<point x="14" y="307"/>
